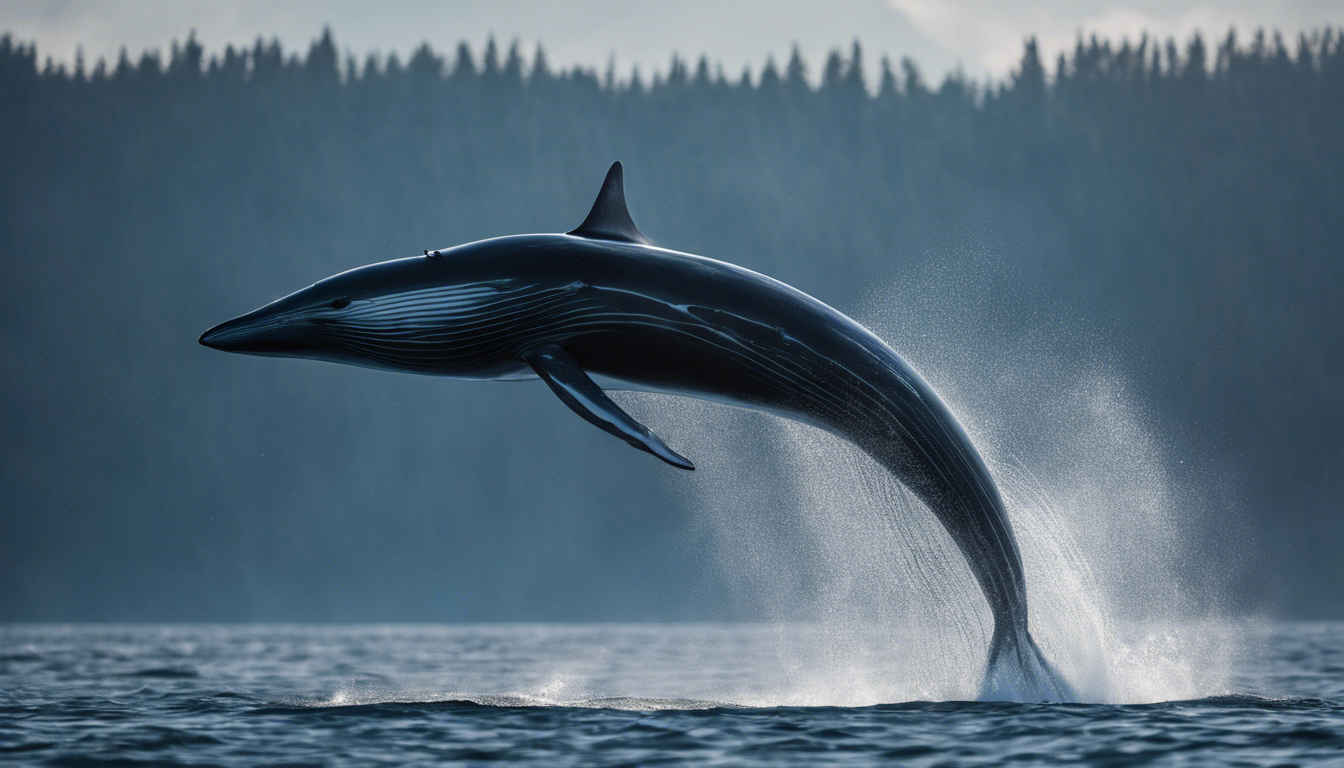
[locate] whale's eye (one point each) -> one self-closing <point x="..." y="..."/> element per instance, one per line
<point x="341" y="303"/>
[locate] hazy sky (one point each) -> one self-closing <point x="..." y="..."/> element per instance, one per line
<point x="983" y="36"/>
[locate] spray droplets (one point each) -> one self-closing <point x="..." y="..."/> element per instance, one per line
<point x="874" y="601"/>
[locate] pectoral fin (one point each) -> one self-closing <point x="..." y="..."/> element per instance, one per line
<point x="561" y="371"/>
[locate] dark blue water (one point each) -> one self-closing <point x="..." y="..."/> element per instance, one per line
<point x="597" y="695"/>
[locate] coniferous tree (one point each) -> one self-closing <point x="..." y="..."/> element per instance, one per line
<point x="795" y="76"/>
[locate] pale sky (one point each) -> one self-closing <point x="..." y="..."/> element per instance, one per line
<point x="982" y="36"/>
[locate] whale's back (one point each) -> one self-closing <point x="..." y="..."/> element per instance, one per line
<point x="686" y="325"/>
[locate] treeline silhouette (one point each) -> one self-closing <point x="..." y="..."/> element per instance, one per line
<point x="1175" y="212"/>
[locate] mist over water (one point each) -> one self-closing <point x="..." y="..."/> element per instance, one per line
<point x="873" y="601"/>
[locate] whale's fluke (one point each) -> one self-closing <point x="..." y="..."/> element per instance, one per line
<point x="561" y="371"/>
<point x="610" y="219"/>
<point x="1018" y="671"/>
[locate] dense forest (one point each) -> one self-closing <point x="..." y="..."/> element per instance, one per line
<point x="1175" y="211"/>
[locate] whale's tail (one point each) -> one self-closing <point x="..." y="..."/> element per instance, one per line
<point x="1017" y="671"/>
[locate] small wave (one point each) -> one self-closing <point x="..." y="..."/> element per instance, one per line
<point x="27" y="746"/>
<point x="166" y="673"/>
<point x="160" y="738"/>
<point x="24" y="655"/>
<point x="343" y="703"/>
<point x="1248" y="700"/>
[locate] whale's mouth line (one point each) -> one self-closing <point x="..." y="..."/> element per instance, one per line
<point x="210" y="338"/>
<point x="241" y="334"/>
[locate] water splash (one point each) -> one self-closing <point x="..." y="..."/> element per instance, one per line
<point x="808" y="530"/>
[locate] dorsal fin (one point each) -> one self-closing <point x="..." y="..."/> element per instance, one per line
<point x="609" y="219"/>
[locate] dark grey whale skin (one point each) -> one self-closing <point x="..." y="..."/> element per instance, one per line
<point x="642" y="317"/>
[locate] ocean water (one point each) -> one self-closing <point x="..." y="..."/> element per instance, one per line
<point x="606" y="694"/>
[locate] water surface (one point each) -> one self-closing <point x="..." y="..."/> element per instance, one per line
<point x="601" y="694"/>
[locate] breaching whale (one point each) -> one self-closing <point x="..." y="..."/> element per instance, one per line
<point x="602" y="305"/>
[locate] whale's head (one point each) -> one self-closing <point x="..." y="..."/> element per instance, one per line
<point x="461" y="311"/>
<point x="301" y="324"/>
<point x="415" y="314"/>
